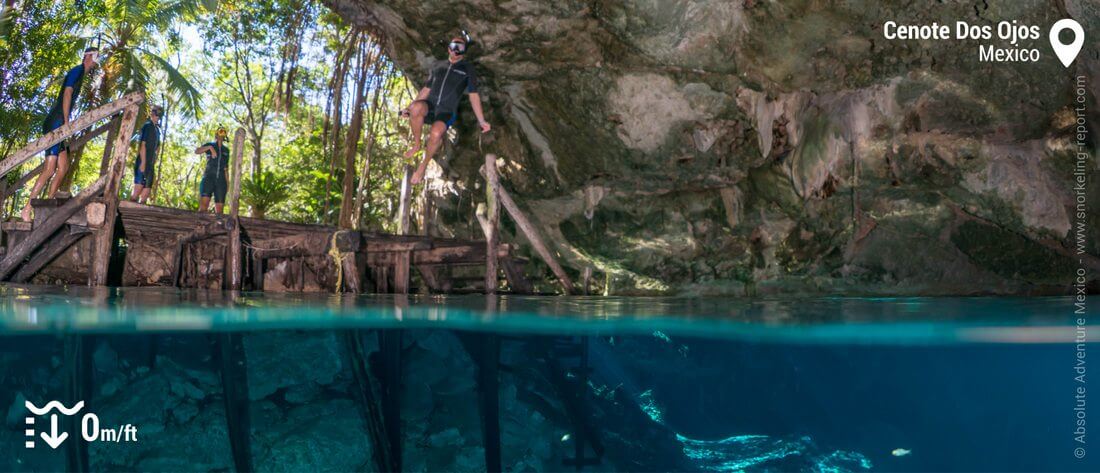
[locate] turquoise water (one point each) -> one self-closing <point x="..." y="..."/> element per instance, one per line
<point x="25" y="310"/>
<point x="704" y="384"/>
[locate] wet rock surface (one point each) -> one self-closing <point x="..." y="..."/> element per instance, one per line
<point x="755" y="147"/>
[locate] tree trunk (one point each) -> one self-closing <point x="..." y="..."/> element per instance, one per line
<point x="355" y="131"/>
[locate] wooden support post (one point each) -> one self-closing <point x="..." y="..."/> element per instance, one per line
<point x="105" y="236"/>
<point x="401" y="272"/>
<point x="234" y="374"/>
<point x="370" y="408"/>
<point x="257" y="273"/>
<point x="536" y="240"/>
<point x="18" y="252"/>
<point x="488" y="383"/>
<point x="492" y="223"/>
<point x="389" y="350"/>
<point x="78" y="387"/>
<point x="406" y="201"/>
<point x="109" y="147"/>
<point x="233" y="259"/>
<point x="347" y="246"/>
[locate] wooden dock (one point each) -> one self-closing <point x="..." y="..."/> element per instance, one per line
<point x="94" y="238"/>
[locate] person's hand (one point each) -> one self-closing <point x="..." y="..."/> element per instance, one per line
<point x="141" y="167"/>
<point x="485" y="127"/>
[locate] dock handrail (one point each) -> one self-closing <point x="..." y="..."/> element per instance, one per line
<point x="107" y="185"/>
<point x="68" y="130"/>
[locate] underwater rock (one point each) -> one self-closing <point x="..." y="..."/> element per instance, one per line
<point x="280" y="360"/>
<point x="17" y="411"/>
<point x="326" y="435"/>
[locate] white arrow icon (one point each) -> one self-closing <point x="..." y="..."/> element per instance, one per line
<point x="53" y="438"/>
<point x="1067" y="52"/>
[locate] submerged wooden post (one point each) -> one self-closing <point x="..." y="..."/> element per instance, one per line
<point x="105" y="235"/>
<point x="533" y="236"/>
<point x="492" y="223"/>
<point x="233" y="259"/>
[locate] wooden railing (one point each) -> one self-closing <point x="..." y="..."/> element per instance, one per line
<point x="107" y="185"/>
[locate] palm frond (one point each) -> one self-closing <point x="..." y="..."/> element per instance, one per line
<point x="187" y="95"/>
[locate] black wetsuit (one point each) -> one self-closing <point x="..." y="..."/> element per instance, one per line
<point x="448" y="82"/>
<point x="214" y="182"/>
<point x="75" y="79"/>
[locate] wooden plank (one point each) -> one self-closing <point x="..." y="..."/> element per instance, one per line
<point x="406" y="200"/>
<point x="306" y="244"/>
<point x="535" y="238"/>
<point x="109" y="147"/>
<point x="471" y="254"/>
<point x="492" y="223"/>
<point x="233" y="259"/>
<point x="104" y="237"/>
<point x="373" y="246"/>
<point x="69" y="129"/>
<point x="17" y="253"/>
<point x="57" y="245"/>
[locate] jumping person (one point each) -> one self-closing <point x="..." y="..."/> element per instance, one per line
<point x="57" y="156"/>
<point x="437" y="103"/>
<point x="145" y="164"/>
<point x="214" y="183"/>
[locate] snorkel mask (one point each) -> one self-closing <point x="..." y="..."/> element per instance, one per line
<point x="94" y="53"/>
<point x="221" y="133"/>
<point x="457" y="46"/>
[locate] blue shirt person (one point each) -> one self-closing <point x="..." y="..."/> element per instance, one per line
<point x="57" y="156"/>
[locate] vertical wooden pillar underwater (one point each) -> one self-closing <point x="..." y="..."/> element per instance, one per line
<point x="488" y="383"/>
<point x="230" y="345"/>
<point x="78" y="387"/>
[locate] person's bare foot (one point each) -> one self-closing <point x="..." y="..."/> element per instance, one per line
<point x="26" y="214"/>
<point x="412" y="152"/>
<point x="417" y="176"/>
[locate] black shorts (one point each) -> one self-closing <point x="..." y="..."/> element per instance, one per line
<point x="214" y="186"/>
<point x="447" y="117"/>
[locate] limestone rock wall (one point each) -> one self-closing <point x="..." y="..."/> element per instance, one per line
<point x="757" y="146"/>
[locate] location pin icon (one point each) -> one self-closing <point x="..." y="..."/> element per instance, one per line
<point x="1067" y="52"/>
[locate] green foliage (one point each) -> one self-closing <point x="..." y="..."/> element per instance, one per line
<point x="263" y="192"/>
<point x="214" y="63"/>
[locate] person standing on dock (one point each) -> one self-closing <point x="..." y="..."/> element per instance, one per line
<point x="214" y="183"/>
<point x="145" y="165"/>
<point x="437" y="103"/>
<point x="57" y="156"/>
